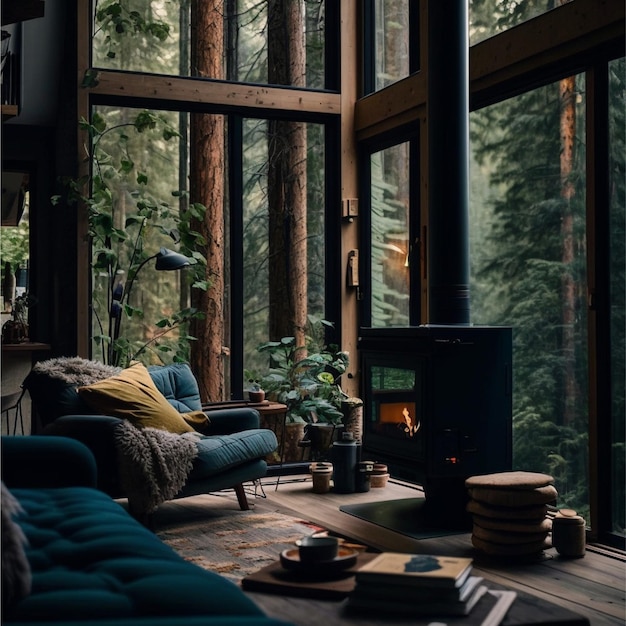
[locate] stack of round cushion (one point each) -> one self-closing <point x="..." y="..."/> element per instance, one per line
<point x="509" y="512"/>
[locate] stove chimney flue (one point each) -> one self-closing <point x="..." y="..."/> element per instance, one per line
<point x="448" y="162"/>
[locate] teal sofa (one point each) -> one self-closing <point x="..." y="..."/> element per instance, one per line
<point x="231" y="452"/>
<point x="88" y="561"/>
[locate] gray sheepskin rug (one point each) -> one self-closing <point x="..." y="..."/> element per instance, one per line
<point x="75" y="370"/>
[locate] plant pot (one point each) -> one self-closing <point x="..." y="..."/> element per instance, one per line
<point x="321" y="473"/>
<point x="320" y="437"/>
<point x="14" y="332"/>
<point x="378" y="481"/>
<point x="294" y="434"/>
<point x="256" y="396"/>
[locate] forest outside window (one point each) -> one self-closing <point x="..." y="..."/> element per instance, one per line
<point x="283" y="231"/>
<point x="15" y="249"/>
<point x="490" y="17"/>
<point x="140" y="203"/>
<point x="390" y="53"/>
<point x="528" y="271"/>
<point x="136" y="208"/>
<point x="173" y="38"/>
<point x="243" y="174"/>
<point x="390" y="227"/>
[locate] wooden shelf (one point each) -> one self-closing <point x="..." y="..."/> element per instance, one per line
<point x="9" y="111"/>
<point x="21" y="10"/>
<point x="26" y="346"/>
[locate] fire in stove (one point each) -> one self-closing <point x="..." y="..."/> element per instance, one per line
<point x="410" y="427"/>
<point x="401" y="415"/>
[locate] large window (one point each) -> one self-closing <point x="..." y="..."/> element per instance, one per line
<point x="532" y="250"/>
<point x="391" y="52"/>
<point x="528" y="258"/>
<point x="490" y="17"/>
<point x="244" y="198"/>
<point x="159" y="37"/>
<point x="298" y="203"/>
<point x="546" y="226"/>
<point x="390" y="198"/>
<point x="135" y="211"/>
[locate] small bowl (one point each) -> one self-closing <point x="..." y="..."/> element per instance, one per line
<point x="316" y="549"/>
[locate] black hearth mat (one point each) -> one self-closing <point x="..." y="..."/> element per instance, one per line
<point x="409" y="516"/>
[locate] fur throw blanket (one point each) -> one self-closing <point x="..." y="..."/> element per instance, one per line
<point x="154" y="465"/>
<point x="75" y="371"/>
<point x="16" y="573"/>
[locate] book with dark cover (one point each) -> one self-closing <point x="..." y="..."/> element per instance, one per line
<point x="400" y="593"/>
<point x="413" y="607"/>
<point x="416" y="570"/>
<point x="488" y="607"/>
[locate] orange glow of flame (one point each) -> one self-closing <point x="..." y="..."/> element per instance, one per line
<point x="400" y="413"/>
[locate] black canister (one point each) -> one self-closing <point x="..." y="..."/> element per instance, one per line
<point x="363" y="473"/>
<point x="344" y="464"/>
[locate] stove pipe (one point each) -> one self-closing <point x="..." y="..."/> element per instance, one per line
<point x="448" y="162"/>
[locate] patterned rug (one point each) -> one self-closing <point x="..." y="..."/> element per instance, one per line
<point x="236" y="543"/>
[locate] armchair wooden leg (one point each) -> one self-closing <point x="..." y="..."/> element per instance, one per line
<point x="241" y="497"/>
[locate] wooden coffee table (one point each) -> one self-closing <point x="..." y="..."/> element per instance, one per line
<point x="319" y="602"/>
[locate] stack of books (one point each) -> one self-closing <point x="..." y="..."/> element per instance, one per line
<point x="417" y="584"/>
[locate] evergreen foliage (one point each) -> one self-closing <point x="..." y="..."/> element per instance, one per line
<point x="389" y="224"/>
<point x="519" y="268"/>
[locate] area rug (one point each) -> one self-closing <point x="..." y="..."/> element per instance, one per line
<point x="406" y="516"/>
<point x="238" y="543"/>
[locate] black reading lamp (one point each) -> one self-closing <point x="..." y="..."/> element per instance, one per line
<point x="166" y="261"/>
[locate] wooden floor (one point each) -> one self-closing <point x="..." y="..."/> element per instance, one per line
<point x="593" y="586"/>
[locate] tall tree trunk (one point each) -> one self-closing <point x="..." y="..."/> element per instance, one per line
<point x="567" y="92"/>
<point x="207" y="187"/>
<point x="287" y="182"/>
<point x="183" y="129"/>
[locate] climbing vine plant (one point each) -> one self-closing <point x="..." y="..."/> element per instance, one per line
<point x="129" y="222"/>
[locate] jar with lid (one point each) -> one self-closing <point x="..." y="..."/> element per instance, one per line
<point x="568" y="533"/>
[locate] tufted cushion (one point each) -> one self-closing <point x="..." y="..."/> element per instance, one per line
<point x="216" y="454"/>
<point x="178" y="384"/>
<point x="90" y="560"/>
<point x="132" y="395"/>
<point x="180" y="388"/>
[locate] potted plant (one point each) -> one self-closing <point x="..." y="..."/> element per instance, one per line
<point x="306" y="379"/>
<point x="256" y="394"/>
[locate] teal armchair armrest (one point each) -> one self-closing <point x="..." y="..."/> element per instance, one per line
<point x="228" y="421"/>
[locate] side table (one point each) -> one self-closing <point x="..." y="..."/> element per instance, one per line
<point x="273" y="415"/>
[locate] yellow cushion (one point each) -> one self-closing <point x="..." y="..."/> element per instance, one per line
<point x="199" y="420"/>
<point x="132" y="395"/>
